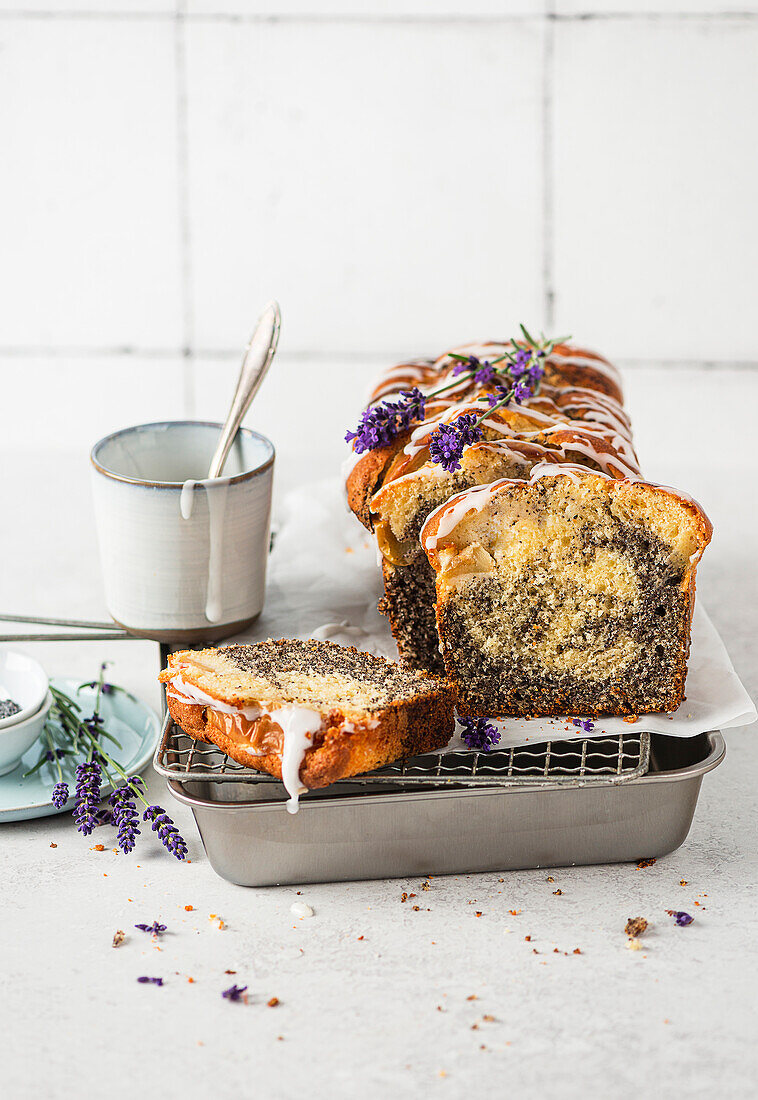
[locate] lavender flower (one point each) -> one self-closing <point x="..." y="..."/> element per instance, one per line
<point x="88" y="780"/>
<point x="448" y="441"/>
<point x="584" y="724"/>
<point x="154" y="929"/>
<point x="151" y="981"/>
<point x="680" y="918"/>
<point x="479" y="734"/>
<point x="381" y="423"/>
<point x="55" y="754"/>
<point x="60" y="795"/>
<point x="235" y="993"/>
<point x="464" y="364"/>
<point x="125" y="817"/>
<point x="168" y="834"/>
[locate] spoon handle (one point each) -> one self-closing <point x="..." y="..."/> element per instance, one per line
<point x="255" y="362"/>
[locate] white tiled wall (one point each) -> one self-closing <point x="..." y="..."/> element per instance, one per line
<point x="399" y="173"/>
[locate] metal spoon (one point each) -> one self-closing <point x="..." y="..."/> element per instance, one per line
<point x="255" y="362"/>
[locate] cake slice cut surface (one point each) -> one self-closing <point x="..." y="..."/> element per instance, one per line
<point x="570" y="593"/>
<point x="306" y="712"/>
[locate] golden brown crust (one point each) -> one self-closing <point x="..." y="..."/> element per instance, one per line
<point x="366" y="476"/>
<point x="401" y="730"/>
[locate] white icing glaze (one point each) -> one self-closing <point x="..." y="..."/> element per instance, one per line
<point x="183" y="690"/>
<point x="456" y="509"/>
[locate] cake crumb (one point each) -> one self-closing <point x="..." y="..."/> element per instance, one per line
<point x="53" y="845"/>
<point x="188" y="908"/>
<point x="635" y="926"/>
<point x="118" y="937"/>
<point x="643" y="863"/>
<point x="272" y="1002"/>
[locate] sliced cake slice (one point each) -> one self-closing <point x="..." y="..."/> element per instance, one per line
<point x="306" y="712"/>
<point x="567" y="594"/>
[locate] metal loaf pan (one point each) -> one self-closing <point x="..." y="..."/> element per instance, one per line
<point x="386" y="832"/>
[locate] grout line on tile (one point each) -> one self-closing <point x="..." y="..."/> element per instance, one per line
<point x="303" y="356"/>
<point x="548" y="181"/>
<point x="370" y="19"/>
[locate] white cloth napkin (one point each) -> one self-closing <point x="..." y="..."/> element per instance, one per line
<point x="324" y="582"/>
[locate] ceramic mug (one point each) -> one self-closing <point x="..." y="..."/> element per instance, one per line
<point x="183" y="557"/>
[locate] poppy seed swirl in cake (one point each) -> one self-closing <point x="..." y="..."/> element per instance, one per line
<point x="568" y="594"/>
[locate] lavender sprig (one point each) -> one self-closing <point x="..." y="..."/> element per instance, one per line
<point x="515" y="376"/>
<point x="85" y="735"/>
<point x="479" y="734"/>
<point x="168" y="834"/>
<point x="89" y="777"/>
<point x="150" y="981"/>
<point x="381" y="423"/>
<point x="124" y="816"/>
<point x="584" y="724"/>
<point x="448" y="441"/>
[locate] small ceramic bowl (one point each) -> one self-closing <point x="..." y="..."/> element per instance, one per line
<point x="23" y="680"/>
<point x="16" y="739"/>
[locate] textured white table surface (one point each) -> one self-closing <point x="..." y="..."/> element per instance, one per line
<point x="375" y="998"/>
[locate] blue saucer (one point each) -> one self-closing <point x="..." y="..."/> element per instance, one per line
<point x="132" y="723"/>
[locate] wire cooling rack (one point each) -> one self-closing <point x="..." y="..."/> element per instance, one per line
<point x="596" y="760"/>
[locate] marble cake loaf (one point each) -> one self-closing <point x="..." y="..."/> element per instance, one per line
<point x="576" y="413"/>
<point x="572" y="421"/>
<point x="307" y="712"/>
